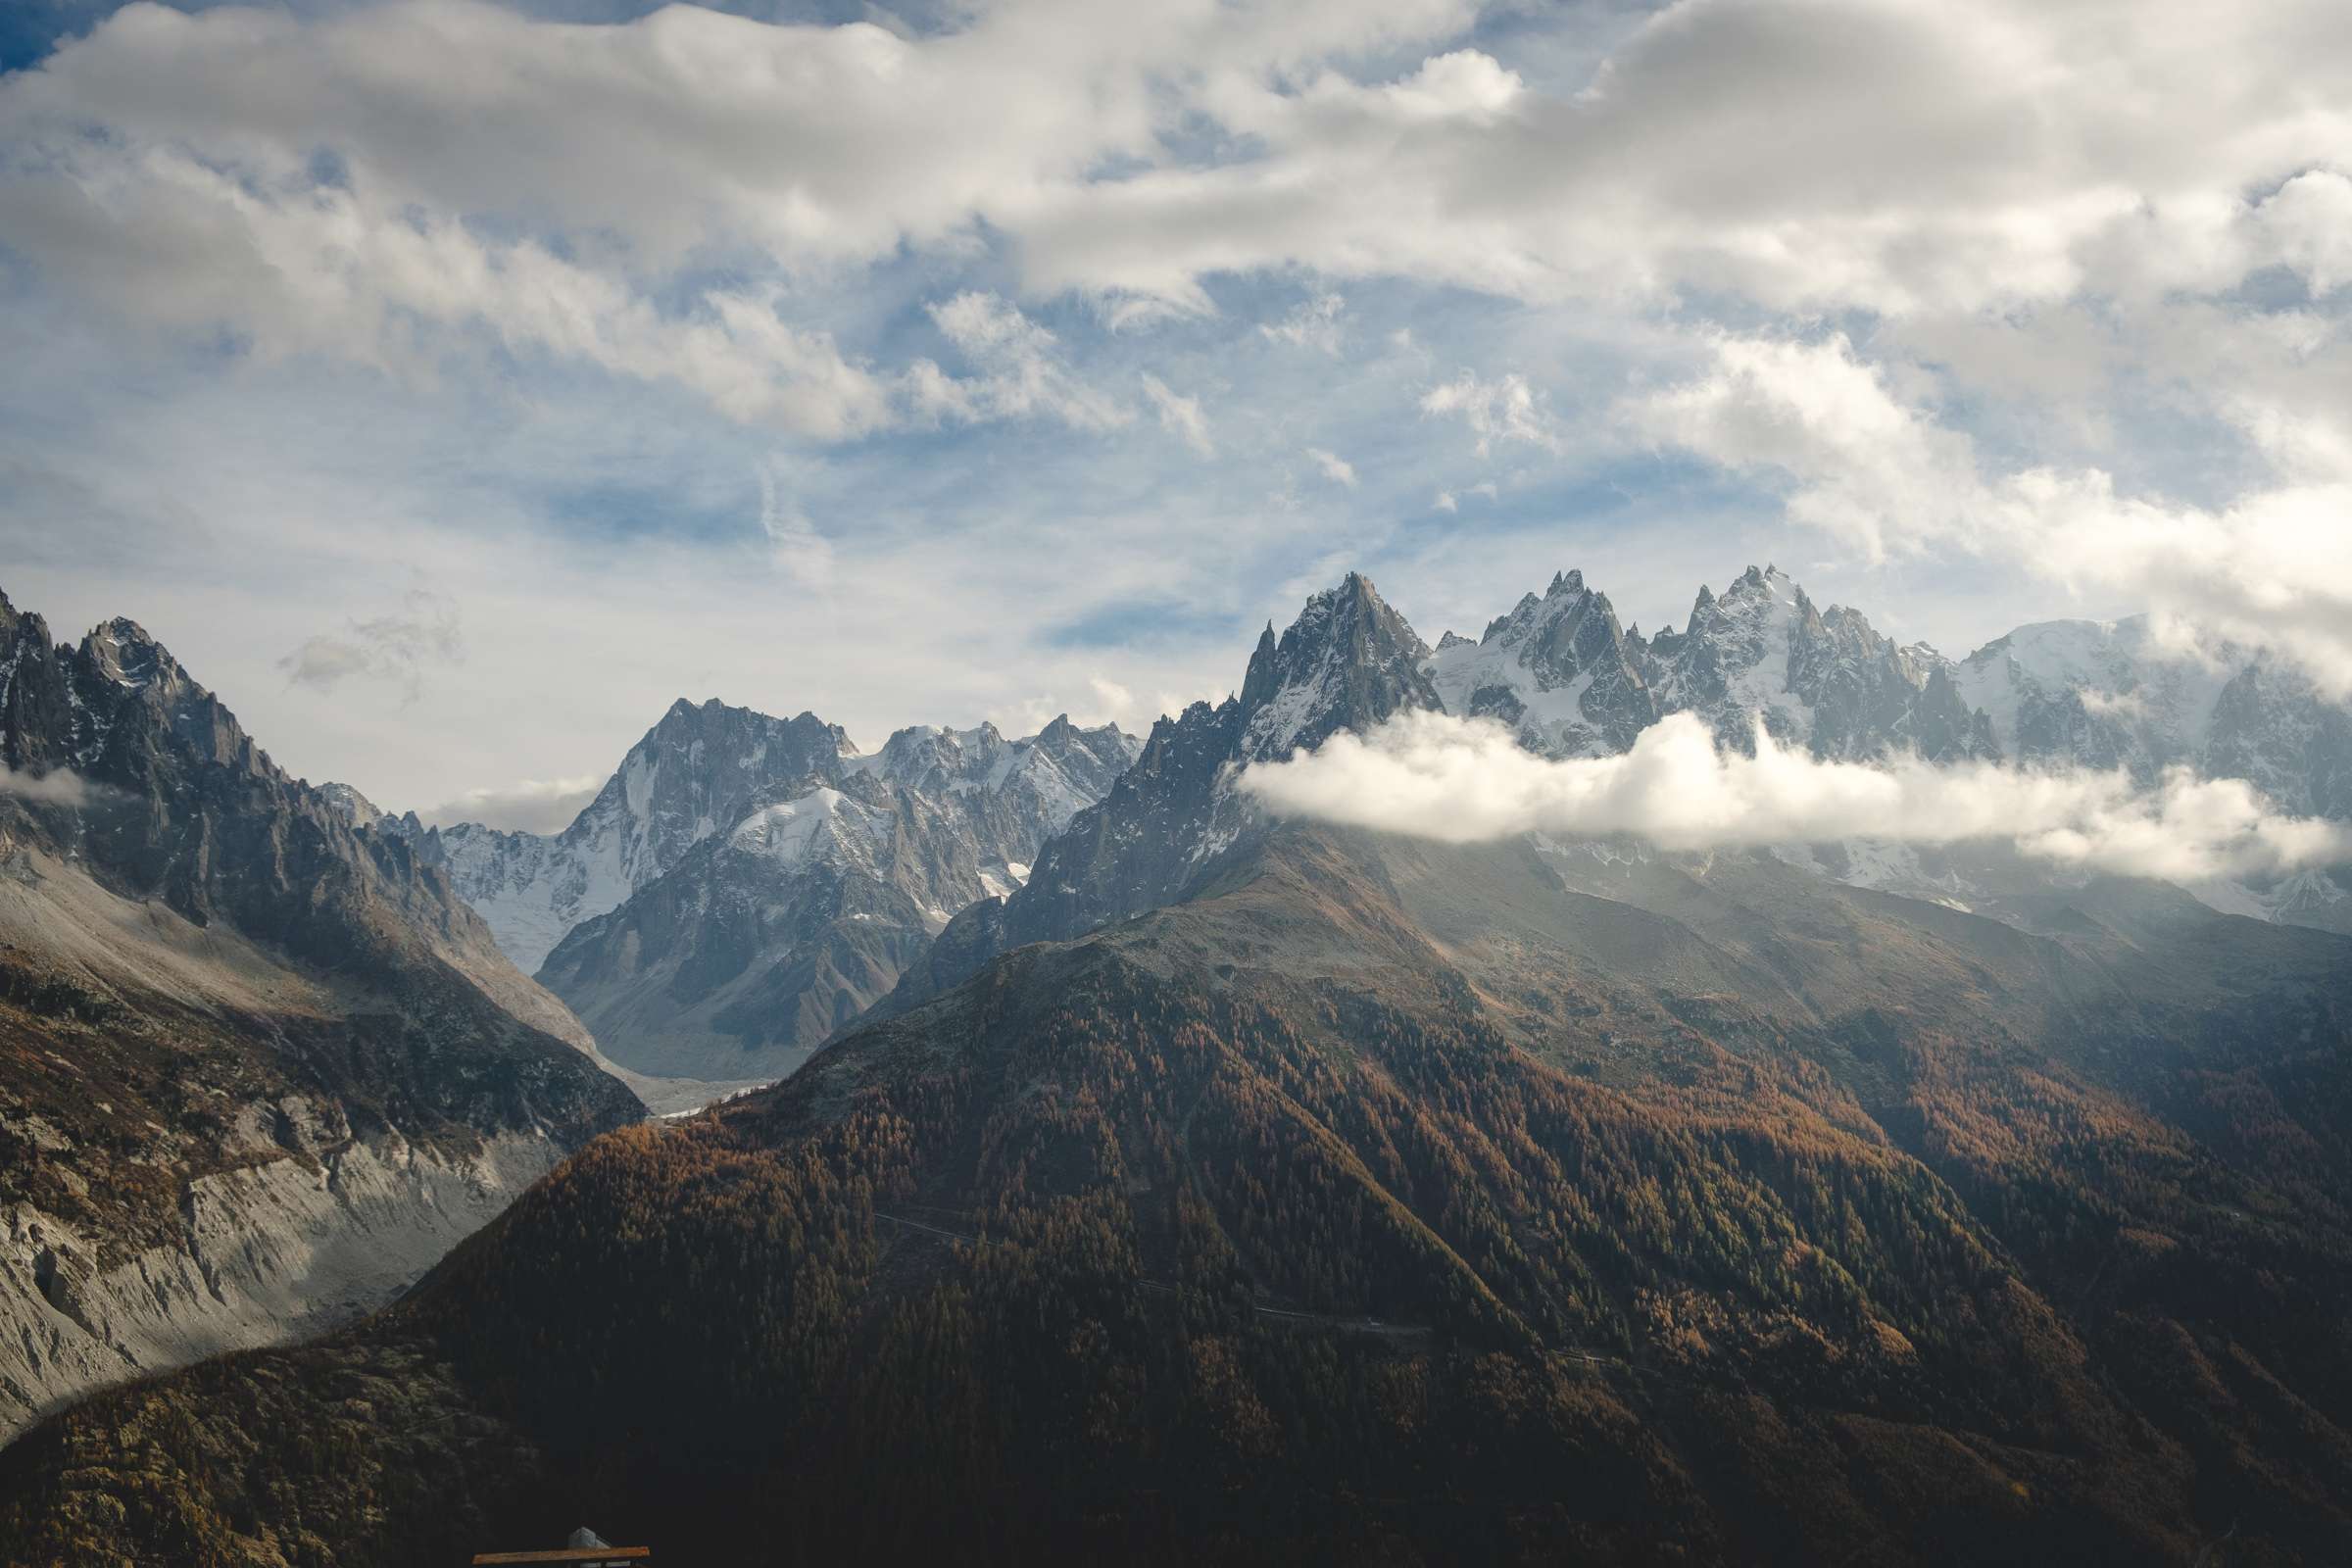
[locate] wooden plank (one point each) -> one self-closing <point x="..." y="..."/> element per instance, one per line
<point x="574" y="1554"/>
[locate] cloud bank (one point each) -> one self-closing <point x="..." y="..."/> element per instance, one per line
<point x="1464" y="781"/>
<point x="527" y="805"/>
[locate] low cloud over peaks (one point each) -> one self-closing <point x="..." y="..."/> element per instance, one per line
<point x="1462" y="781"/>
<point x="527" y="805"/>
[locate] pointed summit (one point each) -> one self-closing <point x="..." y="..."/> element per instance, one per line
<point x="122" y="650"/>
<point x="1558" y="670"/>
<point x="1820" y="679"/>
<point x="1346" y="663"/>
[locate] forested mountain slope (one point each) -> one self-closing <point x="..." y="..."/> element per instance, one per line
<point x="1334" y="1214"/>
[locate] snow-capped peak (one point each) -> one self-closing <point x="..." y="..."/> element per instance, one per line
<point x="1558" y="668"/>
<point x="2105" y="693"/>
<point x="1346" y="663"/>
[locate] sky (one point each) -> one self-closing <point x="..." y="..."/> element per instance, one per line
<point x="453" y="385"/>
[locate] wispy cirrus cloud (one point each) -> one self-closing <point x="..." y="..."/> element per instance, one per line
<point x="1313" y="324"/>
<point x="1499" y="412"/>
<point x="1180" y="416"/>
<point x="1334" y="468"/>
<point x="1021" y="371"/>
<point x="398" y="648"/>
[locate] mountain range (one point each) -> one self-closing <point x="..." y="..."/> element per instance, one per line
<point x="1247" y="1190"/>
<point x="744" y="885"/>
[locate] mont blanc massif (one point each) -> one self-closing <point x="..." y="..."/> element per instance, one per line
<point x="994" y="1148"/>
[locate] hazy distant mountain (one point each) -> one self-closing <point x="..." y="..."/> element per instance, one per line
<point x="688" y="778"/>
<point x="259" y="1068"/>
<point x="816" y="892"/>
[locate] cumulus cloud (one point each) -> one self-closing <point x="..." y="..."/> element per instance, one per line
<point x="1459" y="781"/>
<point x="2273" y="568"/>
<point x="398" y="648"/>
<point x="59" y="786"/>
<point x="294" y="267"/>
<point x="319" y="180"/>
<point x="1839" y="153"/>
<point x="526" y="805"/>
<point x="1338" y="469"/>
<point x="1179" y="415"/>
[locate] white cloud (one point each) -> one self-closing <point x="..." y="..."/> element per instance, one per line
<point x="1499" y="412"/>
<point x="1313" y="324"/>
<point x="1338" y="469"/>
<point x="2273" y="568"/>
<point x="59" y="786"/>
<point x="1837" y="153"/>
<point x="1451" y="501"/>
<point x="526" y="805"/>
<point x="800" y="553"/>
<point x="325" y="180"/>
<point x="1114" y="698"/>
<point x="397" y="647"/>
<point x="1022" y="371"/>
<point x="1464" y="781"/>
<point x="1180" y="417"/>
<point x="165" y="238"/>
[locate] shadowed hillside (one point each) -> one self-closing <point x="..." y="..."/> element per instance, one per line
<point x="1268" y="1227"/>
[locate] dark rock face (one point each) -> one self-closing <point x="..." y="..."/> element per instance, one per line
<point x="1346" y="663"/>
<point x="185" y="809"/>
